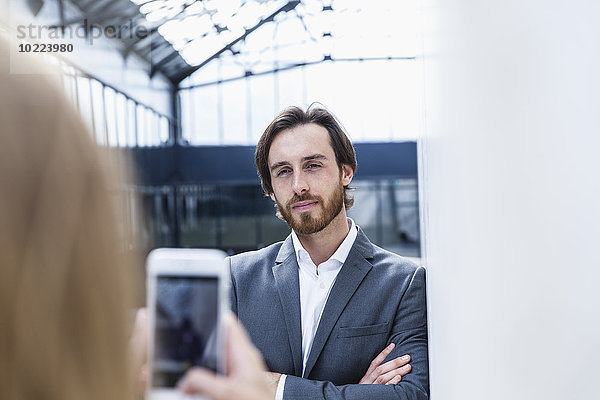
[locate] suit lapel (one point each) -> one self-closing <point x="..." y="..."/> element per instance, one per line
<point x="285" y="272"/>
<point x="348" y="280"/>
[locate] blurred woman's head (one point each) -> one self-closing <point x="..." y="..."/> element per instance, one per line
<point x="64" y="286"/>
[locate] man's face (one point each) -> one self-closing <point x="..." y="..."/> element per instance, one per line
<point x="307" y="182"/>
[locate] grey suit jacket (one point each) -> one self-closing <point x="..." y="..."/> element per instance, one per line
<point x="377" y="298"/>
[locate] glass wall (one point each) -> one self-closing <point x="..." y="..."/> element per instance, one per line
<point x="113" y="118"/>
<point x="118" y="122"/>
<point x="238" y="218"/>
<point x="376" y="101"/>
<point x="241" y="218"/>
<point x="388" y="212"/>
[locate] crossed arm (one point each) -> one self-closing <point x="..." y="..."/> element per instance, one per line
<point x="388" y="371"/>
<point x="379" y="372"/>
<point x="412" y="386"/>
<point x="246" y="369"/>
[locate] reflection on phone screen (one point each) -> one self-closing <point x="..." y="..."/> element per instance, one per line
<point x="185" y="327"/>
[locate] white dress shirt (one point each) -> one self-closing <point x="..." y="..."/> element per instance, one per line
<point x="315" y="285"/>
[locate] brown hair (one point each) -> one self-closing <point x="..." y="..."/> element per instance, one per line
<point x="65" y="288"/>
<point x="295" y="116"/>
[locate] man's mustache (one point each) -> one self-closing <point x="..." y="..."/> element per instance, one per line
<point x="303" y="197"/>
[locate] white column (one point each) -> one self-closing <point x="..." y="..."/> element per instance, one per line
<point x="510" y="158"/>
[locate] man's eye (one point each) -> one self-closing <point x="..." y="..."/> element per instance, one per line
<point x="283" y="172"/>
<point x="313" y="166"/>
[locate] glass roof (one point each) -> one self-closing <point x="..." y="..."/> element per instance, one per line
<point x="247" y="41"/>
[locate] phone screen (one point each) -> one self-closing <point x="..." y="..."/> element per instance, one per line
<point x="185" y="328"/>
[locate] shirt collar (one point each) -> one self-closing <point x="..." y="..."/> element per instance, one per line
<point x="342" y="251"/>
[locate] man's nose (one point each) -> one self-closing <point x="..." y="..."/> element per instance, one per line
<point x="300" y="185"/>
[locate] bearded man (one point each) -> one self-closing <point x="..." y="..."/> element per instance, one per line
<point x="334" y="316"/>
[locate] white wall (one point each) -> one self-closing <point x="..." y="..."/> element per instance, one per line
<point x="511" y="158"/>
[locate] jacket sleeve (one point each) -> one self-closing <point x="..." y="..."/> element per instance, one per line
<point x="300" y="389"/>
<point x="231" y="288"/>
<point x="409" y="333"/>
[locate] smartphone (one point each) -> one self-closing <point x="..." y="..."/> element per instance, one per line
<point x="186" y="291"/>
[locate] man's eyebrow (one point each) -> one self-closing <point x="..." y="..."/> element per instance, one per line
<point x="314" y="157"/>
<point x="279" y="164"/>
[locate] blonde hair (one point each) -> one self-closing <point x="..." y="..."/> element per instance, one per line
<point x="65" y="288"/>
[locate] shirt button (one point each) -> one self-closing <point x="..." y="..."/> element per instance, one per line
<point x="322" y="285"/>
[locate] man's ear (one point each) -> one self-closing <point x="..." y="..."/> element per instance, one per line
<point x="347" y="174"/>
<point x="272" y="196"/>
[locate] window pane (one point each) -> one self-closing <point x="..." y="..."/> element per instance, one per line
<point x="98" y="107"/>
<point x="131" y="130"/>
<point x="262" y="103"/>
<point x="85" y="101"/>
<point x="187" y="120"/>
<point x="164" y="130"/>
<point x="121" y="109"/>
<point x="235" y="121"/>
<point x="152" y="127"/>
<point x="111" y="126"/>
<point x="239" y="222"/>
<point x="289" y="89"/>
<point x="141" y="125"/>
<point x="203" y="105"/>
<point x="198" y="214"/>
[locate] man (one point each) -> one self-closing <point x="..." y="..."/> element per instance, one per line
<point x="321" y="305"/>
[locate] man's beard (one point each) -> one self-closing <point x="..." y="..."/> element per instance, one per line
<point x="307" y="223"/>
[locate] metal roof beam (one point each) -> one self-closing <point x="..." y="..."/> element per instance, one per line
<point x="188" y="71"/>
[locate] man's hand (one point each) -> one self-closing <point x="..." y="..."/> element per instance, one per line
<point x="389" y="373"/>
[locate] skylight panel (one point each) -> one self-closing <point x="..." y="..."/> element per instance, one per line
<point x="200" y="29"/>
